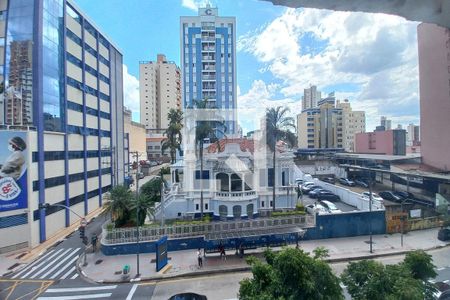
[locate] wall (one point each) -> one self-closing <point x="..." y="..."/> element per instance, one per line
<point x="434" y="76"/>
<point x="377" y="142"/>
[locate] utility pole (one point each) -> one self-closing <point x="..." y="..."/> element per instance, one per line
<point x="136" y="155"/>
<point x="370" y="210"/>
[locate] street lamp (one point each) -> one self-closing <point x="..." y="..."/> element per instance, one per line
<point x="370" y="210"/>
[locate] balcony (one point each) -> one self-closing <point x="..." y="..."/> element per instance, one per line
<point x="236" y="196"/>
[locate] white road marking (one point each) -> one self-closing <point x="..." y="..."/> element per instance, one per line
<point x="32" y="264"/>
<point x="132" y="291"/>
<point x="81" y="289"/>
<point x="49" y="264"/>
<point x="90" y="296"/>
<point x="67" y="256"/>
<point x="68" y="272"/>
<point x="74" y="276"/>
<point x="440" y="269"/>
<point x="65" y="267"/>
<point x="42" y="263"/>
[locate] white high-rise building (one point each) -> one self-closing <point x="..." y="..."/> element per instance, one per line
<point x="208" y="62"/>
<point x="353" y="122"/>
<point x="159" y="90"/>
<point x="413" y="135"/>
<point x="310" y="97"/>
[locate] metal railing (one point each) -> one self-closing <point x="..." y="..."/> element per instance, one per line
<point x="128" y="235"/>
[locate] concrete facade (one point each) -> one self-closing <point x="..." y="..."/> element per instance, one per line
<point x="434" y="79"/>
<point x="72" y="120"/>
<point x="208" y="63"/>
<point x="353" y="122"/>
<point x="310" y="97"/>
<point x="159" y="90"/>
<point x="136" y="136"/>
<point x="387" y="142"/>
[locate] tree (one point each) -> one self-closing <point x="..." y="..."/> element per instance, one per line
<point x="278" y="126"/>
<point x="152" y="190"/>
<point x="173" y="133"/>
<point x="206" y="129"/>
<point x="144" y="206"/>
<point x="368" y="279"/>
<point x="290" y="274"/>
<point x="119" y="204"/>
<point x="420" y="264"/>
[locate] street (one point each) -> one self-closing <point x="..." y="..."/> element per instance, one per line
<point x="32" y="283"/>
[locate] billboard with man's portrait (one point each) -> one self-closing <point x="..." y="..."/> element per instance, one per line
<point x="13" y="170"/>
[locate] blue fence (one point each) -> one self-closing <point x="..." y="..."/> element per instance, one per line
<point x="327" y="226"/>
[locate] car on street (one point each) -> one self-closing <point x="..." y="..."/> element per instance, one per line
<point x="404" y="195"/>
<point x="361" y="183"/>
<point x="329" y="180"/>
<point x="444" y="234"/>
<point x="389" y="195"/>
<point x="188" y="296"/>
<point x="332" y="208"/>
<point x="307" y="189"/>
<point x="315" y="192"/>
<point x="366" y="195"/>
<point x="298" y="181"/>
<point x="153" y="163"/>
<point x="346" y="181"/>
<point x="316" y="208"/>
<point x="328" y="196"/>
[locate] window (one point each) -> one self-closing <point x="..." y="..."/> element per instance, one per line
<point x="71" y="12"/>
<point x="197" y="206"/>
<point x="262" y="203"/>
<point x="73" y="37"/>
<point x="206" y="205"/>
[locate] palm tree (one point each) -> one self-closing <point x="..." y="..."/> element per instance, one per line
<point x="119" y="203"/>
<point x="173" y="133"/>
<point x="278" y="126"/>
<point x="203" y="130"/>
<point x="144" y="206"/>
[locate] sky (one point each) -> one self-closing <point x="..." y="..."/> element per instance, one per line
<point x="370" y="59"/>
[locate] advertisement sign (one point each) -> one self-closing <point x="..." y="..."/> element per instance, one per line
<point x="161" y="253"/>
<point x="415" y="213"/>
<point x="13" y="170"/>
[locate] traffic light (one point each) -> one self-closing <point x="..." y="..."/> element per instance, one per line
<point x="82" y="231"/>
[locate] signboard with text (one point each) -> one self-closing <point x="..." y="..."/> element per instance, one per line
<point x="13" y="170"/>
<point x="161" y="253"/>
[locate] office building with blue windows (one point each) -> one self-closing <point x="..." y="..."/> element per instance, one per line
<point x="61" y="116"/>
<point x="208" y="62"/>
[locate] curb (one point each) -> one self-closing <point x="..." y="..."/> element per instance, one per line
<point x="248" y="268"/>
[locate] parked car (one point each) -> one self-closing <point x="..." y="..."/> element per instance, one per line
<point x="444" y="234"/>
<point x="346" y="181"/>
<point x="375" y="197"/>
<point x="307" y="183"/>
<point x="388" y="195"/>
<point x="329" y="180"/>
<point x="309" y="188"/>
<point x="328" y="196"/>
<point x="315" y="208"/>
<point x="404" y="195"/>
<point x="361" y="183"/>
<point x="314" y="193"/>
<point x="188" y="296"/>
<point x="298" y="181"/>
<point x="332" y="208"/>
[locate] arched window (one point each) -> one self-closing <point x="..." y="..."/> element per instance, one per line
<point x="250" y="210"/>
<point x="236" y="183"/>
<point x="237" y="211"/>
<point x="223" y="182"/>
<point x="223" y="211"/>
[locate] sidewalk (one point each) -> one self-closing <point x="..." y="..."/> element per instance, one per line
<point x="11" y="261"/>
<point x="184" y="263"/>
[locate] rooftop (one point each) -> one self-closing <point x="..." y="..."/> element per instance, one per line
<point x="377" y="156"/>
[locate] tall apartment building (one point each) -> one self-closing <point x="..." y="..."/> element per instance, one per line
<point x="208" y="62"/>
<point x="311" y="97"/>
<point x="413" y="135"/>
<point x="434" y="80"/>
<point x="353" y="122"/>
<point x="159" y="90"/>
<point x="321" y="127"/>
<point x="386" y="123"/>
<point x="62" y="116"/>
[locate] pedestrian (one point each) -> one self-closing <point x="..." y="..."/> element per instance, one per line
<point x="221" y="250"/>
<point x="241" y="251"/>
<point x="199" y="258"/>
<point x="223" y="254"/>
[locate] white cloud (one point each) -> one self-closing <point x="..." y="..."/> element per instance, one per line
<point x="375" y="52"/>
<point x="194" y="4"/>
<point x="131" y="92"/>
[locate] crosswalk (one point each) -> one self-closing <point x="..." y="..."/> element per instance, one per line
<point x="74" y="293"/>
<point x="55" y="264"/>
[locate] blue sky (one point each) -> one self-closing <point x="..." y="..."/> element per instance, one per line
<point x="369" y="59"/>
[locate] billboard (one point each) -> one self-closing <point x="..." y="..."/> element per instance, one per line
<point x="161" y="253"/>
<point x="13" y="170"/>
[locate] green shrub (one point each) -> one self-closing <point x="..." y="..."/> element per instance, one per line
<point x="288" y="213"/>
<point x="165" y="170"/>
<point x="300" y="207"/>
<point x="109" y="227"/>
